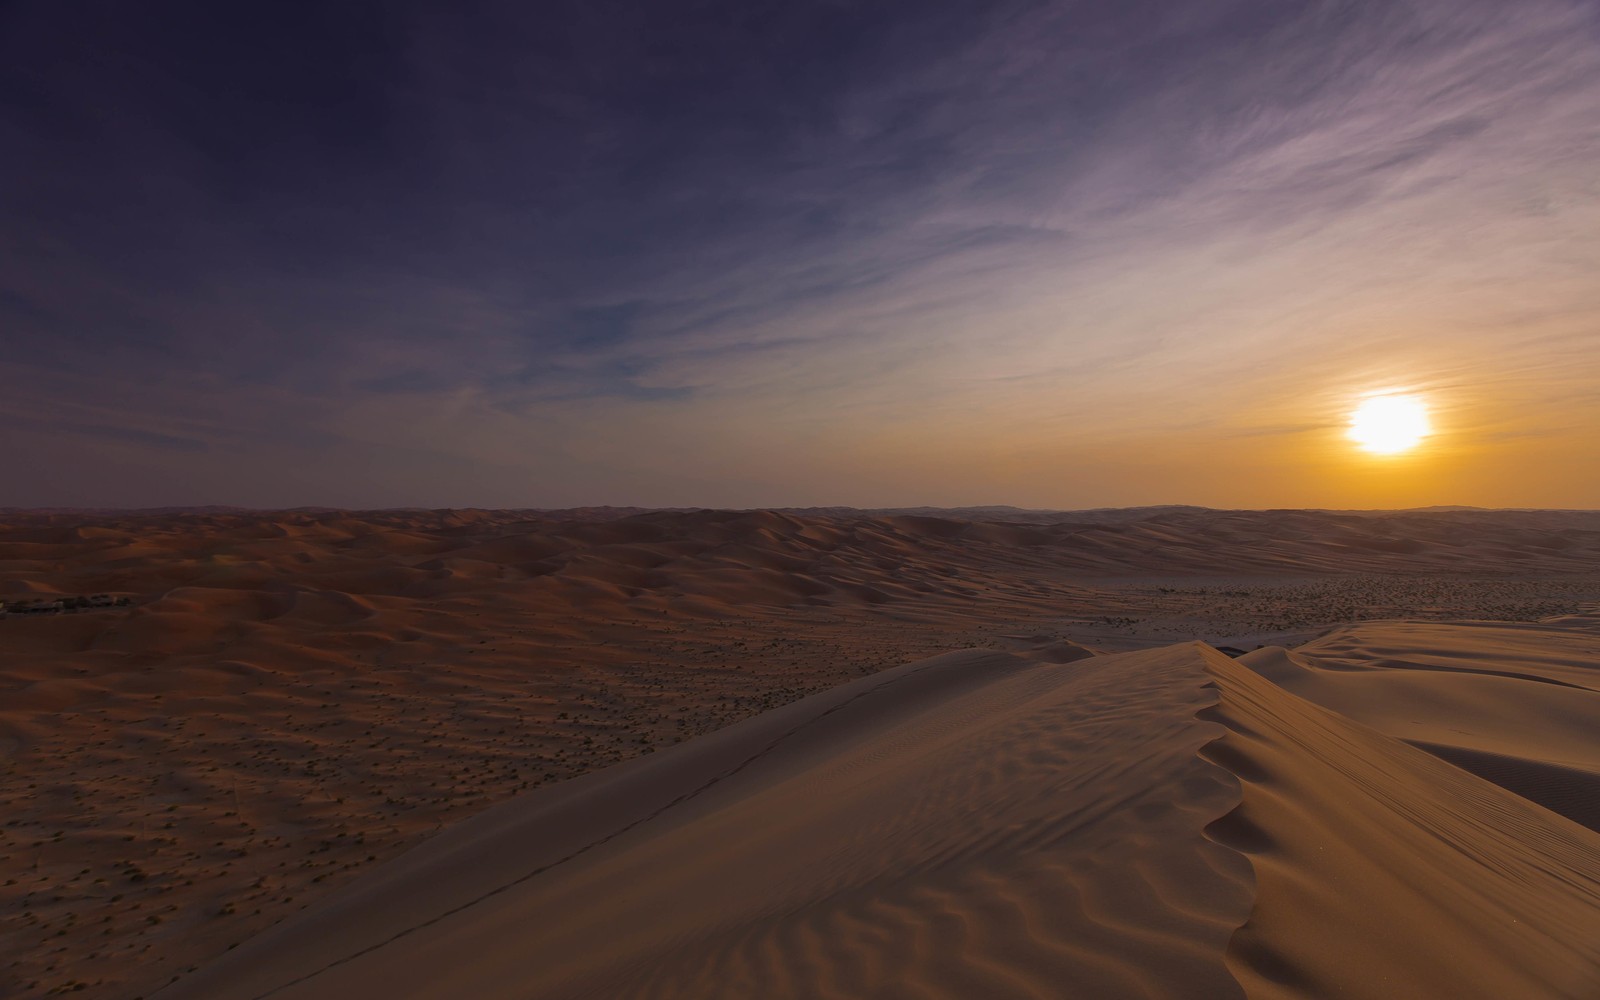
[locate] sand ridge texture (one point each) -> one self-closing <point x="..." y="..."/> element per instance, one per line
<point x="1165" y="823"/>
<point x="298" y="698"/>
<point x="1382" y="871"/>
<point x="975" y="825"/>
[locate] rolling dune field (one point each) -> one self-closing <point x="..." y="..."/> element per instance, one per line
<point x="701" y="753"/>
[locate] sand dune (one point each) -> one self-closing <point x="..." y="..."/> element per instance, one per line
<point x="398" y="552"/>
<point x="1518" y="704"/>
<point x="1381" y="871"/>
<point x="972" y="825"/>
<point x="298" y="698"/>
<point x="1168" y="823"/>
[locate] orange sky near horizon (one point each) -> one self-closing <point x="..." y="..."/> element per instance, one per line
<point x="1049" y="255"/>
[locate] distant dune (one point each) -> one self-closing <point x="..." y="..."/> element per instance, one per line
<point x="719" y="735"/>
<point x="423" y="551"/>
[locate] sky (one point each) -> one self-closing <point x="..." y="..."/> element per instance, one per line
<point x="742" y="254"/>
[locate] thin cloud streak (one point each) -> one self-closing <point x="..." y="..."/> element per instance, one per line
<point x="1026" y="229"/>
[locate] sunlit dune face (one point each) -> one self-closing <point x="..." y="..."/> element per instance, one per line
<point x="1387" y="425"/>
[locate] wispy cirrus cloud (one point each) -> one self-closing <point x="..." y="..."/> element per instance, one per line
<point x="566" y="244"/>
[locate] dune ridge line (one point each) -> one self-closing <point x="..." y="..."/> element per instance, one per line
<point x="879" y="684"/>
<point x="1478" y="893"/>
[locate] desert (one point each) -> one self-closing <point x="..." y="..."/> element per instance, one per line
<point x="803" y="500"/>
<point x="980" y="752"/>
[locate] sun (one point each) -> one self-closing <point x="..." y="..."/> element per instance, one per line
<point x="1386" y="425"/>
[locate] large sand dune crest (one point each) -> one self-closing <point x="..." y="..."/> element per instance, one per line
<point x="1168" y="823"/>
<point x="973" y="825"/>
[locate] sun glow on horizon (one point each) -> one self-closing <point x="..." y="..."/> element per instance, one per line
<point x="1390" y="424"/>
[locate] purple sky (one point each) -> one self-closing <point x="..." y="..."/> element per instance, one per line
<point x="746" y="254"/>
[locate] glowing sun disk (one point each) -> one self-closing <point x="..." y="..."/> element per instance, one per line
<point x="1389" y="424"/>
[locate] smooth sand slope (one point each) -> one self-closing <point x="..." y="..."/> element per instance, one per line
<point x="975" y="825"/>
<point x="1381" y="871"/>
<point x="1517" y="703"/>
<point x="1169" y="823"/>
